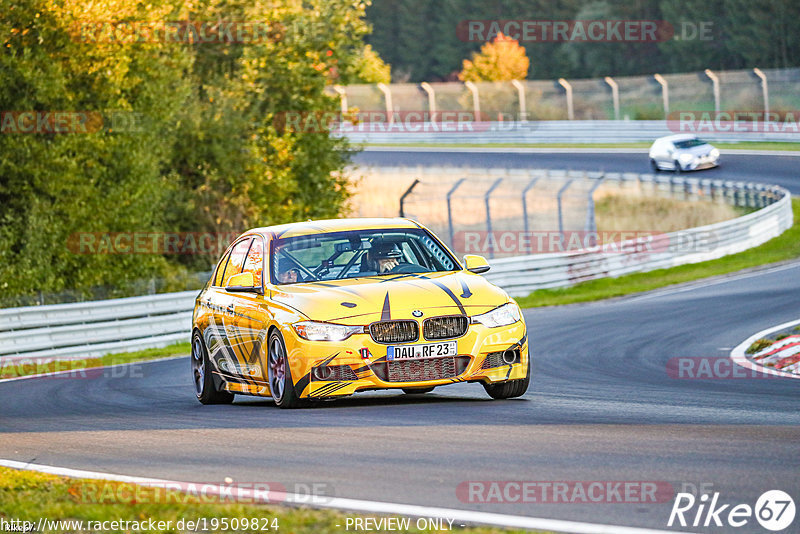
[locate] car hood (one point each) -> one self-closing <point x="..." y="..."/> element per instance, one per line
<point x="360" y="301"/>
<point x="700" y="150"/>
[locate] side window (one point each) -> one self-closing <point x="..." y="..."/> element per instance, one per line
<point x="255" y="261"/>
<point x="238" y="254"/>
<point x="220" y="269"/>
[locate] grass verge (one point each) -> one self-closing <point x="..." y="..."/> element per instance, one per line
<point x="29" y="496"/>
<point x="725" y="146"/>
<point x="784" y="247"/>
<point x="35" y="366"/>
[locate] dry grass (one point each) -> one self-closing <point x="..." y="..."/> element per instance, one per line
<point x="377" y="192"/>
<point x="631" y="211"/>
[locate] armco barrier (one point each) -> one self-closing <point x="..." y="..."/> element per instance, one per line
<point x="523" y="274"/>
<point x="544" y="132"/>
<point x="90" y="329"/>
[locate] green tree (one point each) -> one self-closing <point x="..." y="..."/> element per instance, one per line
<point x="56" y="186"/>
<point x="207" y="153"/>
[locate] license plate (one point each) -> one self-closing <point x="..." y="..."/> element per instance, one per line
<point x="415" y="352"/>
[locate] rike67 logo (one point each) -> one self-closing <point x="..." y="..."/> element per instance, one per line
<point x="774" y="510"/>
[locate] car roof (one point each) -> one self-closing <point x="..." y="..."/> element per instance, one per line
<point x="333" y="225"/>
<point x="677" y="137"/>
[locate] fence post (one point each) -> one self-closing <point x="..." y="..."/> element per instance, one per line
<point x="764" y="91"/>
<point x="431" y="99"/>
<point x="525" y="202"/>
<point x="403" y="197"/>
<point x="664" y="93"/>
<point x="591" y="222"/>
<point x="476" y="100"/>
<point x="614" y="95"/>
<point x="523" y="111"/>
<point x="560" y="211"/>
<point x="568" y="88"/>
<point x="450" y="210"/>
<point x="715" y="84"/>
<point x="387" y="96"/>
<point x="342" y="97"/>
<point x="489" y="216"/>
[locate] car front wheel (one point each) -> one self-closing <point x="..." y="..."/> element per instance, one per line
<point x="281" y="386"/>
<point x="654" y="165"/>
<point x="510" y="388"/>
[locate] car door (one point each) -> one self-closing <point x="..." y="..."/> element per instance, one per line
<point x="222" y="341"/>
<point x="249" y="318"/>
<point x="660" y="152"/>
<point x="669" y="154"/>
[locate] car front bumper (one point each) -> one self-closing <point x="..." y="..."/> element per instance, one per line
<point x="359" y="363"/>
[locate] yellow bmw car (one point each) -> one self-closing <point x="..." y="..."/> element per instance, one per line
<point x="324" y="309"/>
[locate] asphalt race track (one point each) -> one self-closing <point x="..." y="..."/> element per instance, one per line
<point x="783" y="170"/>
<point x="601" y="407"/>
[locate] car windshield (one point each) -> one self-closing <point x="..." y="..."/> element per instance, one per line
<point x="689" y="143"/>
<point x="356" y="254"/>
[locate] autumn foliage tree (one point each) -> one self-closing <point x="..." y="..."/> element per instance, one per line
<point x="502" y="59"/>
<point x="202" y="150"/>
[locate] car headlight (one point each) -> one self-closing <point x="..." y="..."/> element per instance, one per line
<point x="686" y="158"/>
<point x="314" y="331"/>
<point x="501" y="316"/>
<point x="714" y="153"/>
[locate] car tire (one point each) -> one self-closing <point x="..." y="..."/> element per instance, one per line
<point x="205" y="389"/>
<point x="279" y="374"/>
<point x="510" y="388"/>
<point x="654" y="165"/>
<point x="677" y="167"/>
<point x="417" y="391"/>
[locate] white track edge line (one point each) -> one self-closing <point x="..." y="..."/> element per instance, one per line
<point x="84" y="369"/>
<point x="739" y="357"/>
<point x="339" y="503"/>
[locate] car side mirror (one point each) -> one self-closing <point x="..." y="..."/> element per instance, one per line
<point x="242" y="283"/>
<point x="476" y="264"/>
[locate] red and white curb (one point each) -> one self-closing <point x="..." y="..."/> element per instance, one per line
<point x="460" y="517"/>
<point x="778" y="350"/>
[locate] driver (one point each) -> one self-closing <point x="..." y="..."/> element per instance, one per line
<point x="287" y="272"/>
<point x="383" y="256"/>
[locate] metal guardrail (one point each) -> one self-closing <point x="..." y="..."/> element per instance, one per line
<point x="523" y="274"/>
<point x="91" y="329"/>
<point x="549" y="132"/>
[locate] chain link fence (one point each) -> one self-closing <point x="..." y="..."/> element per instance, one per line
<point x="474" y="209"/>
<point x="637" y="97"/>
